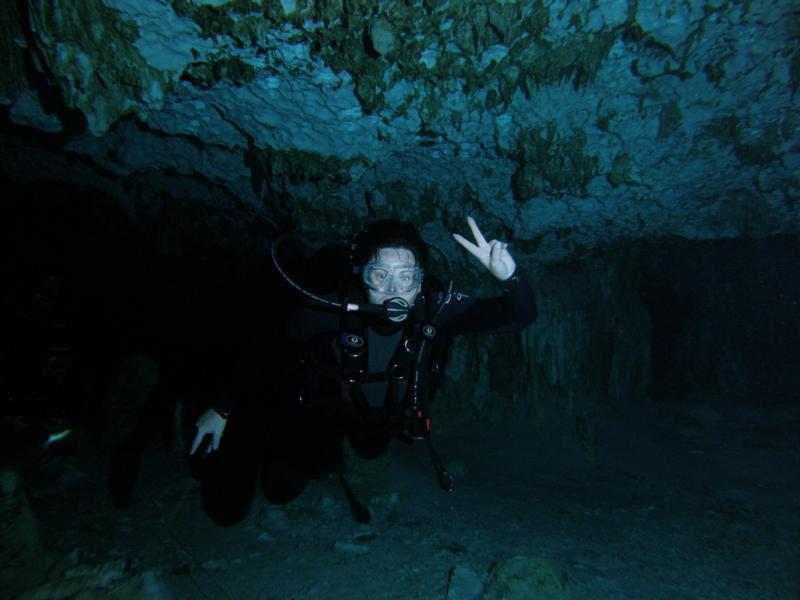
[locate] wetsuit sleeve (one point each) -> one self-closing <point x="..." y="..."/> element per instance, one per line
<point x="513" y="311"/>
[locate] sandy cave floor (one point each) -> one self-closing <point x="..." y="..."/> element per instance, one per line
<point x="690" y="500"/>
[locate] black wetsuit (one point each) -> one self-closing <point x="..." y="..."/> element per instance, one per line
<point x="293" y="442"/>
<point x="320" y="330"/>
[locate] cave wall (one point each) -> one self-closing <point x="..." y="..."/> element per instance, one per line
<point x="665" y="320"/>
<point x="590" y="343"/>
<point x="172" y="286"/>
<point x="726" y="319"/>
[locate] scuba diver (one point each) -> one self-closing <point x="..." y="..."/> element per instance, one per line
<point x="372" y="355"/>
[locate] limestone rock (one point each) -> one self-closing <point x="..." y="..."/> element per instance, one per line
<point x="91" y="53"/>
<point x="108" y="581"/>
<point x="572" y="126"/>
<point x="526" y="578"/>
<point x="463" y="583"/>
<point x="24" y="563"/>
<point x="381" y="36"/>
<point x="27" y="110"/>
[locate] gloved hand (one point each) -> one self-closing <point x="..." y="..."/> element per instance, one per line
<point x="492" y="255"/>
<point x="210" y="423"/>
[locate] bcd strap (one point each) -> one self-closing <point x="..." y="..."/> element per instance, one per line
<point x="400" y="375"/>
<point x="424" y="330"/>
<point x="352" y="346"/>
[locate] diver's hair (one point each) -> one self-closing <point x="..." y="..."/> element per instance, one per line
<point x="389" y="233"/>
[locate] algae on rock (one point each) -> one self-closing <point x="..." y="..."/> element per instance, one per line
<point x="89" y="51"/>
<point x="548" y="163"/>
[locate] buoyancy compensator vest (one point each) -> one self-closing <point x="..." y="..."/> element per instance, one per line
<point x="407" y="368"/>
<point x="410" y="376"/>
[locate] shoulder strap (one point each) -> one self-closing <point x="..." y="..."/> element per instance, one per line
<point x="352" y="342"/>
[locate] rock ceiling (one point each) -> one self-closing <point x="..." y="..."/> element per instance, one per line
<point x="563" y="126"/>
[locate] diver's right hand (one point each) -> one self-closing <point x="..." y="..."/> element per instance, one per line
<point x="210" y="423"/>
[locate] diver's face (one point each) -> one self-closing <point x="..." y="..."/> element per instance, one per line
<point x="392" y="273"/>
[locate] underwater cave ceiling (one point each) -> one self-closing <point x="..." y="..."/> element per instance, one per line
<point x="560" y="125"/>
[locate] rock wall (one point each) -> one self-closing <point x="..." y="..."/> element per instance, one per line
<point x="568" y="125"/>
<point x="590" y="342"/>
<point x="726" y="323"/>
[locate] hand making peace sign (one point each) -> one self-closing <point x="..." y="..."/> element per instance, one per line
<point x="493" y="255"/>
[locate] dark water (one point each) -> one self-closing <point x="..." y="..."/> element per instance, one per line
<point x="125" y="329"/>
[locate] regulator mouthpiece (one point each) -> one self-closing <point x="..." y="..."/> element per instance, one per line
<point x="396" y="309"/>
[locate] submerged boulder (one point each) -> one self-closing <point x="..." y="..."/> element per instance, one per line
<point x="524" y="578"/>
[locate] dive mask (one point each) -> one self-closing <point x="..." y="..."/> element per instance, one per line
<point x="391" y="279"/>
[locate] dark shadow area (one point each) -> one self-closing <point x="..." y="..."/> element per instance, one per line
<point x="122" y="329"/>
<point x="726" y="319"/>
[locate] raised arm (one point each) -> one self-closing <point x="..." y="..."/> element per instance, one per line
<point x="514" y="310"/>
